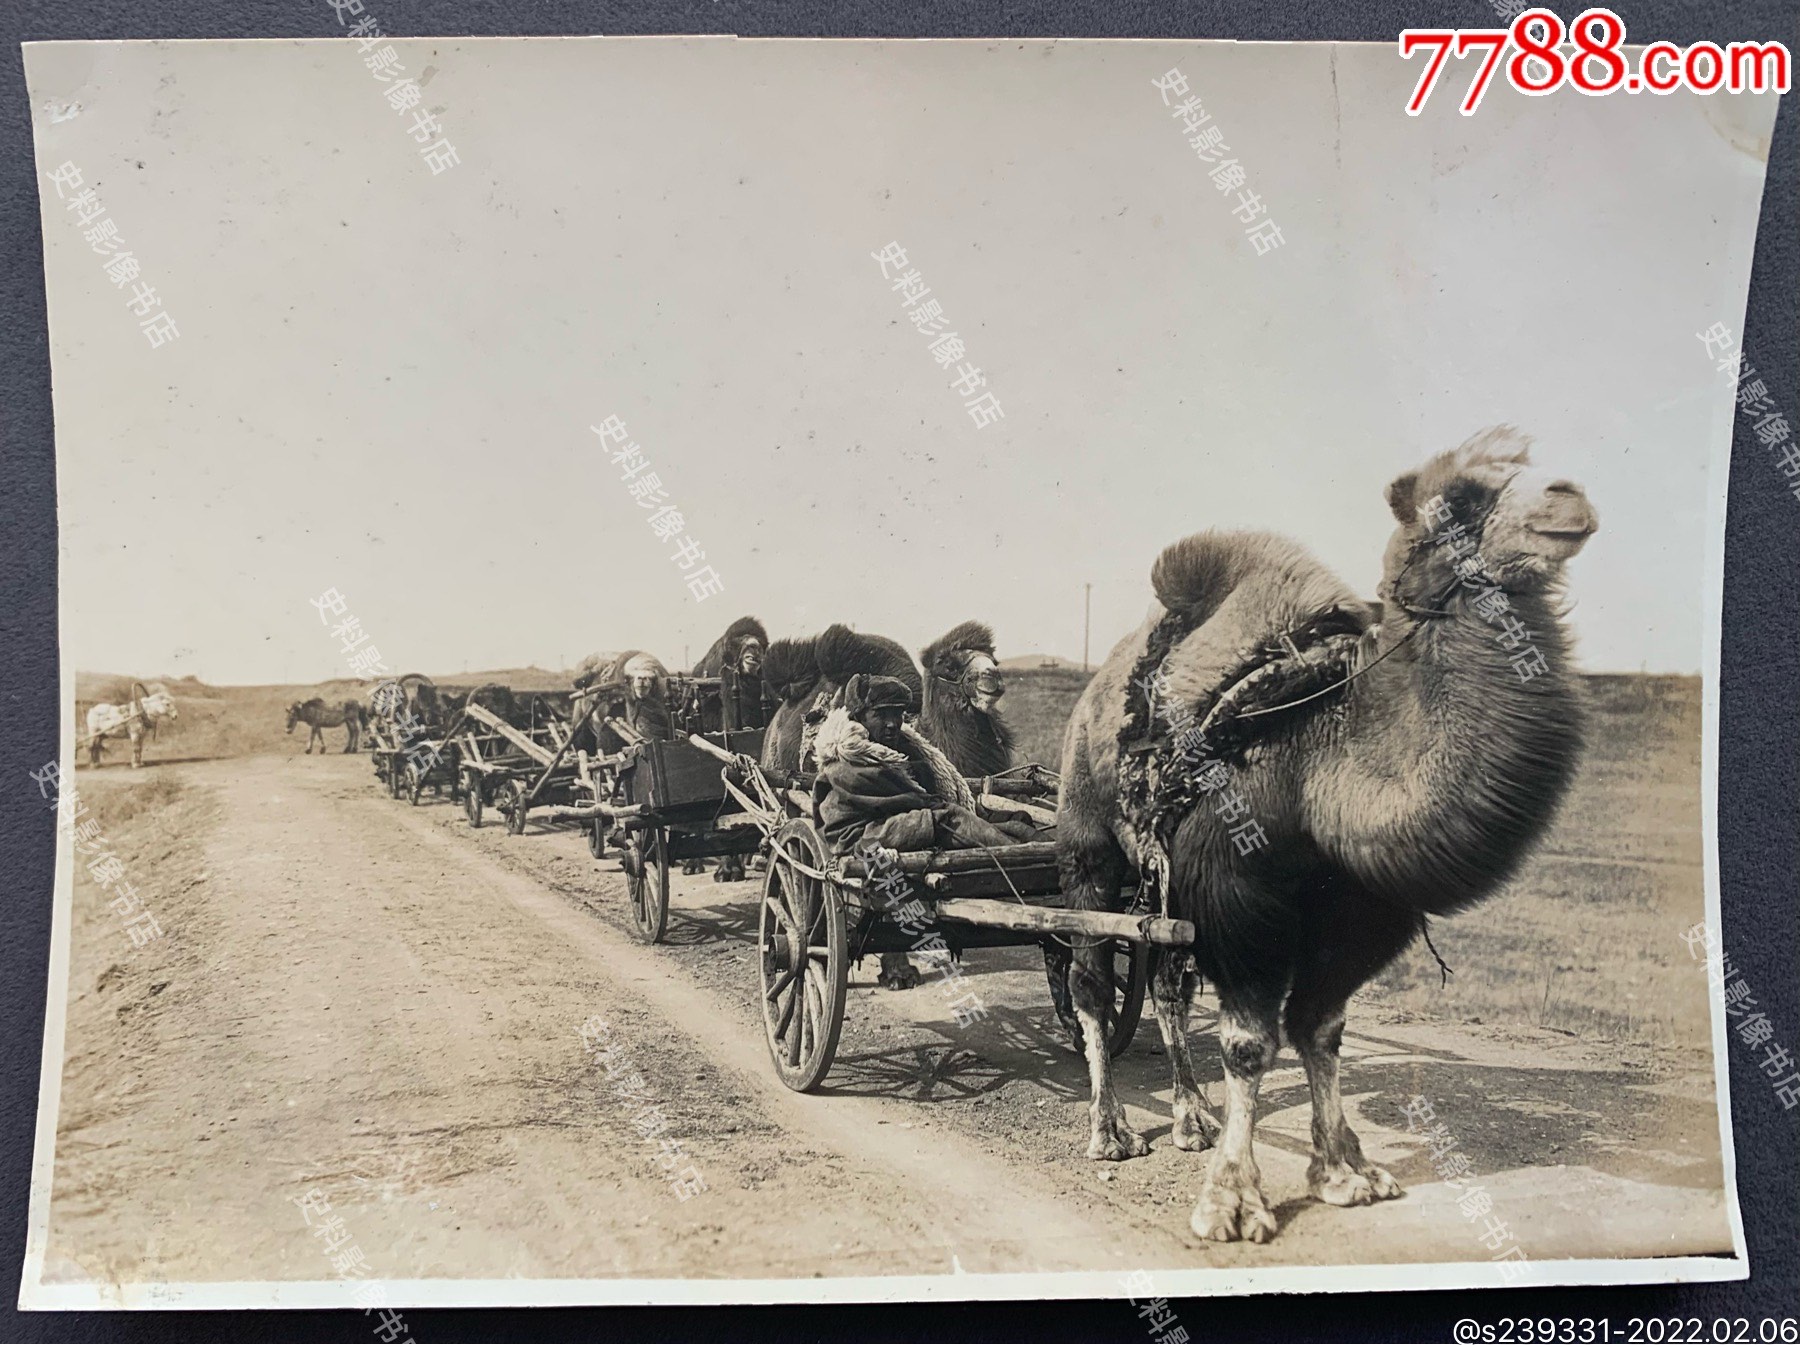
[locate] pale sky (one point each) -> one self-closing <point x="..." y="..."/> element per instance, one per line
<point x="384" y="379"/>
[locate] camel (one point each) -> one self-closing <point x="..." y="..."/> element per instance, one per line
<point x="1414" y="787"/>
<point x="790" y="674"/>
<point x="635" y="688"/>
<point x="736" y="658"/>
<point x="744" y="702"/>
<point x="145" y="705"/>
<point x="319" y="716"/>
<point x="961" y="711"/>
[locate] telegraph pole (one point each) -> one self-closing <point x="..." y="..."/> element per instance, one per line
<point x="1087" y="611"/>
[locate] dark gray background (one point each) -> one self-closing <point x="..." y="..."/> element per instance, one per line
<point x="1759" y="784"/>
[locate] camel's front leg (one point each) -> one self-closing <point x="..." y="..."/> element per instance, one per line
<point x="1172" y="987"/>
<point x="1338" y="1173"/>
<point x="1231" y="1203"/>
<point x="1091" y="988"/>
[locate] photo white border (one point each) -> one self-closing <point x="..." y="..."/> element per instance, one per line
<point x="1182" y="1282"/>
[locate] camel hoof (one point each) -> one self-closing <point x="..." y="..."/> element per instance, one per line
<point x="1116" y="1143"/>
<point x="1386" y="1188"/>
<point x="898" y="972"/>
<point x="1195" y="1131"/>
<point x="1227" y="1215"/>
<point x="1343" y="1186"/>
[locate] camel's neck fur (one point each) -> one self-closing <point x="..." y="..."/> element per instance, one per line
<point x="1449" y="763"/>
<point x="977" y="743"/>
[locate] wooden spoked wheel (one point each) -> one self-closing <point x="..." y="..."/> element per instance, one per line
<point x="805" y="960"/>
<point x="1130" y="966"/>
<point x="472" y="800"/>
<point x="646" y="864"/>
<point x="511" y="803"/>
<point x="597" y="838"/>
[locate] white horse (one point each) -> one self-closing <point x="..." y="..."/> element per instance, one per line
<point x="146" y="707"/>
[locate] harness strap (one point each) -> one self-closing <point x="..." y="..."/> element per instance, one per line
<point x="1158" y="785"/>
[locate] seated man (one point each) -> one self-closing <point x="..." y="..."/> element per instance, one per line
<point x="882" y="783"/>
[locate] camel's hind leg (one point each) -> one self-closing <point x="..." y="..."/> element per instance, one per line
<point x="1365" y="939"/>
<point x="1093" y="866"/>
<point x="1172" y="988"/>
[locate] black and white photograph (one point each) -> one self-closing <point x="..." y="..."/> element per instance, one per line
<point x="722" y="670"/>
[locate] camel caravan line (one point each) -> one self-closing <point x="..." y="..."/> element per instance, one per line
<point x="1268" y="786"/>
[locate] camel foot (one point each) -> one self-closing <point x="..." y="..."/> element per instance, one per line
<point x="1113" y="1141"/>
<point x="1196" y="1129"/>
<point x="1341" y="1184"/>
<point x="897" y="972"/>
<point x="729" y="871"/>
<point x="1230" y="1210"/>
<point x="692" y="866"/>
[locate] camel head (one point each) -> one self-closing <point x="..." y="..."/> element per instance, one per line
<point x="972" y="674"/>
<point x="645" y="678"/>
<point x="159" y="705"/>
<point x="743" y="644"/>
<point x="1523" y="522"/>
<point x="749" y="658"/>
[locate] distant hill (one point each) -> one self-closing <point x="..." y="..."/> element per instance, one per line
<point x="1027" y="662"/>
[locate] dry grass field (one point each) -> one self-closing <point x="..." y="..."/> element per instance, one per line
<point x="1586" y="940"/>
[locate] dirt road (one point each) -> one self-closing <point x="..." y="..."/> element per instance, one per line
<point x="378" y="1003"/>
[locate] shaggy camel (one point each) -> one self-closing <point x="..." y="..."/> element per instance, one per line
<point x="744" y="702"/>
<point x="1415" y="790"/>
<point x="790" y="674"/>
<point x="736" y="658"/>
<point x="961" y="712"/>
<point x="318" y="716"/>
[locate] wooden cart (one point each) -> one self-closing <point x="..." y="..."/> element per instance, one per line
<point x="670" y="804"/>
<point x="820" y="912"/>
<point x="512" y="766"/>
<point x="402" y="752"/>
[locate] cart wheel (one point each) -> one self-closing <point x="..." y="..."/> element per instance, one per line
<point x="597" y="838"/>
<point x="805" y="959"/>
<point x="472" y="799"/>
<point x="512" y="803"/>
<point x="1130" y="975"/>
<point x="646" y="864"/>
